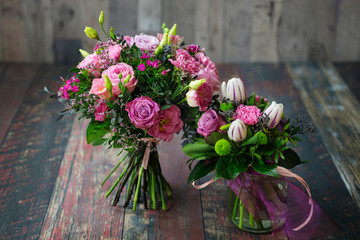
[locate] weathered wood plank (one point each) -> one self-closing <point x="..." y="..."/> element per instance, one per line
<point x="30" y="155"/>
<point x="78" y="207"/>
<point x="14" y="75"/>
<point x="13" y="32"/>
<point x="2" y="35"/>
<point x="350" y="73"/>
<point x="149" y="16"/>
<point x="123" y="16"/>
<point x="237" y="30"/>
<point x="182" y="13"/>
<point x="330" y="102"/>
<point x="265" y="26"/>
<point x="347" y="44"/>
<point x="209" y="34"/>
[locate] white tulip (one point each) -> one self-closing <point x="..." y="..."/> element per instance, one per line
<point x="235" y="90"/>
<point x="237" y="131"/>
<point x="274" y="112"/>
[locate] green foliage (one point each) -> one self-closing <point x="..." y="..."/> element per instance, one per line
<point x="201" y="169"/>
<point x="229" y="168"/>
<point x="199" y="149"/>
<point x="95" y="132"/>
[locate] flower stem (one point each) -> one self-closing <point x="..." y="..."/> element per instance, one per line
<point x="136" y="197"/>
<point x="251" y="219"/>
<point x="117" y="181"/>
<point x="153" y="197"/>
<point x="144" y="187"/>
<point x="160" y="187"/>
<point x="112" y="171"/>
<point x="235" y="207"/>
<point x="241" y="215"/>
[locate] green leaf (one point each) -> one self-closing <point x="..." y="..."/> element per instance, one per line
<point x="166" y="106"/>
<point x="291" y="160"/>
<point x="200" y="170"/>
<point x="192" y="112"/>
<point x="95" y="131"/>
<point x="250" y="100"/>
<point x="265" y="169"/>
<point x="199" y="149"/>
<point x="214" y="137"/>
<point x="229" y="168"/>
<point x="252" y="141"/>
<point x="99" y="141"/>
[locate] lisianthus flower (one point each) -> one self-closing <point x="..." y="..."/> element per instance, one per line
<point x="200" y="97"/>
<point x="168" y="123"/>
<point x="248" y="114"/>
<point x="98" y="88"/>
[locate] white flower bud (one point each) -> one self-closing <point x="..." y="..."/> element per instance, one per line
<point x="235" y="90"/>
<point x="191" y="98"/>
<point x="223" y="89"/>
<point x="237" y="131"/>
<point x="274" y="112"/>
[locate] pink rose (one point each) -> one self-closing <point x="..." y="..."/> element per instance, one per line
<point x="129" y="40"/>
<point x="169" y="123"/>
<point x="143" y="112"/>
<point x="113" y="73"/>
<point x="200" y="97"/>
<point x="98" y="88"/>
<point x="211" y="77"/>
<point x="115" y="52"/>
<point x="100" y="112"/>
<point x="185" y="62"/>
<point x="248" y="114"/>
<point x="175" y="39"/>
<point x="146" y="43"/>
<point x="210" y="122"/>
<point x="92" y="63"/>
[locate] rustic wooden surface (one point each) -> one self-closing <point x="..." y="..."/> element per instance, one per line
<point x="231" y="30"/>
<point x="50" y="178"/>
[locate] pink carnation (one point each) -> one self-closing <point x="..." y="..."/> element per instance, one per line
<point x="248" y="114"/>
<point x="168" y="123"/>
<point x="115" y="52"/>
<point x="100" y="112"/>
<point x="186" y="62"/>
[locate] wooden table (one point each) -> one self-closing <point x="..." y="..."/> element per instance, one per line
<point x="50" y="178"/>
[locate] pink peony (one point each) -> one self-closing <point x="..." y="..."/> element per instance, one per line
<point x="100" y="112"/>
<point x="115" y="52"/>
<point x="98" y="88"/>
<point x="248" y="114"/>
<point x="92" y="63"/>
<point x="129" y="40"/>
<point x="175" y="39"/>
<point x="200" y="97"/>
<point x="146" y="43"/>
<point x="169" y="123"/>
<point x="185" y="62"/>
<point x="113" y="73"/>
<point x="143" y="112"/>
<point x="210" y="122"/>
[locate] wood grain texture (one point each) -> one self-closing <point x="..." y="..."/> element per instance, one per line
<point x="209" y="34"/>
<point x="123" y="16"/>
<point x="182" y="13"/>
<point x="329" y="101"/>
<point x="30" y="154"/>
<point x="350" y="73"/>
<point x="13" y="75"/>
<point x="237" y="30"/>
<point x="347" y="43"/>
<point x="149" y="16"/>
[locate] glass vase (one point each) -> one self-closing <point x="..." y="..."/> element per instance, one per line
<point x="256" y="196"/>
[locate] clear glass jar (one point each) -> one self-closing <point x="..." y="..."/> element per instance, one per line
<point x="258" y="193"/>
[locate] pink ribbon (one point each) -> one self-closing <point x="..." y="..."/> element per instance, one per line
<point x="146" y="157"/>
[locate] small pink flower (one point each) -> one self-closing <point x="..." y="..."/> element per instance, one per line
<point x="68" y="82"/>
<point x="149" y="63"/>
<point x="248" y="114"/>
<point x="75" y="88"/>
<point x="192" y="48"/>
<point x="144" y="56"/>
<point x="141" y="67"/>
<point x="76" y="80"/>
<point x="155" y="64"/>
<point x="100" y="111"/>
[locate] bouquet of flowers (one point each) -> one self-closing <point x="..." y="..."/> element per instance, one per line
<point x="247" y="141"/>
<point x="137" y="91"/>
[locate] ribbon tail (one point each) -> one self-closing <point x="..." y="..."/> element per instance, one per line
<point x="203" y="185"/>
<point x="287" y="173"/>
<point x="146" y="157"/>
